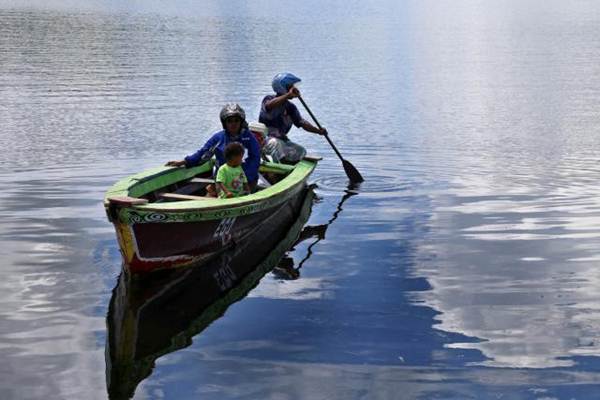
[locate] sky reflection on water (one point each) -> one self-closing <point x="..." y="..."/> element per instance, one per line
<point x="465" y="267"/>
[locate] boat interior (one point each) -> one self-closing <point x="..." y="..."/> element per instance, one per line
<point x="181" y="184"/>
<point x="197" y="187"/>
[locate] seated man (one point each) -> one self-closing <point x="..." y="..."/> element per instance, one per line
<point x="278" y="114"/>
<point x="235" y="129"/>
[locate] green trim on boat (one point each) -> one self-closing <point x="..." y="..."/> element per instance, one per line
<point x="152" y="179"/>
<point x="209" y="208"/>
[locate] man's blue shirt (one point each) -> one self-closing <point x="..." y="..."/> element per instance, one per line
<point x="216" y="145"/>
<point x="280" y="119"/>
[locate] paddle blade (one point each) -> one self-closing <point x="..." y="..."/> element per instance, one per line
<point x="353" y="174"/>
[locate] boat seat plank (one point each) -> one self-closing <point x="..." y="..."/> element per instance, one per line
<point x="127" y="201"/>
<point x="202" y="180"/>
<point x="176" y="196"/>
<point x="312" y="157"/>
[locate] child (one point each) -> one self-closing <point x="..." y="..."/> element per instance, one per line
<point x="231" y="179"/>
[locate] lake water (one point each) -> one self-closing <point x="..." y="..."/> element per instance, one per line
<point x="466" y="266"/>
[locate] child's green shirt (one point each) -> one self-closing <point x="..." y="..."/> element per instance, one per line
<point x="233" y="179"/>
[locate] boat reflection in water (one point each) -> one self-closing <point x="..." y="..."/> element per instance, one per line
<point x="151" y="317"/>
<point x="285" y="268"/>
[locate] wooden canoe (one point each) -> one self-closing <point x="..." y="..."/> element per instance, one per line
<point x="163" y="220"/>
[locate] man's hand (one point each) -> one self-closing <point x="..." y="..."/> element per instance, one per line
<point x="293" y="93"/>
<point x="307" y="126"/>
<point x="178" y="163"/>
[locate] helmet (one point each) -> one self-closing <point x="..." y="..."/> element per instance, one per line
<point x="258" y="127"/>
<point x="282" y="82"/>
<point x="232" y="110"/>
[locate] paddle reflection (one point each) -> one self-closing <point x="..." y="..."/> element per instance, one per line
<point x="286" y="268"/>
<point x="151" y="317"/>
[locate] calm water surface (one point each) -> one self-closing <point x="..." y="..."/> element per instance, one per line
<point x="467" y="266"/>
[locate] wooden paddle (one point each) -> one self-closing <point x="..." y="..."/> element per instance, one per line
<point x="351" y="172"/>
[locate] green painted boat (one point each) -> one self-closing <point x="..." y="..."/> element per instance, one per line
<point x="163" y="219"/>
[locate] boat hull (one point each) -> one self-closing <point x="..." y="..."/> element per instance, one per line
<point x="165" y="235"/>
<point x="149" y="246"/>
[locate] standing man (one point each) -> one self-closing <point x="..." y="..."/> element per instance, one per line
<point x="278" y="114"/>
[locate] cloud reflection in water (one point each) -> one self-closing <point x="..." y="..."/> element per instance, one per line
<point x="519" y="273"/>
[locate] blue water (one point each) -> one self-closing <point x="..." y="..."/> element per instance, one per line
<point x="466" y="266"/>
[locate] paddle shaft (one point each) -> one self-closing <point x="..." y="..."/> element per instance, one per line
<point x="319" y="126"/>
<point x="350" y="170"/>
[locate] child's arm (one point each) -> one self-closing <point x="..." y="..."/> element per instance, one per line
<point x="221" y="188"/>
<point x="246" y="188"/>
<point x="221" y="177"/>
